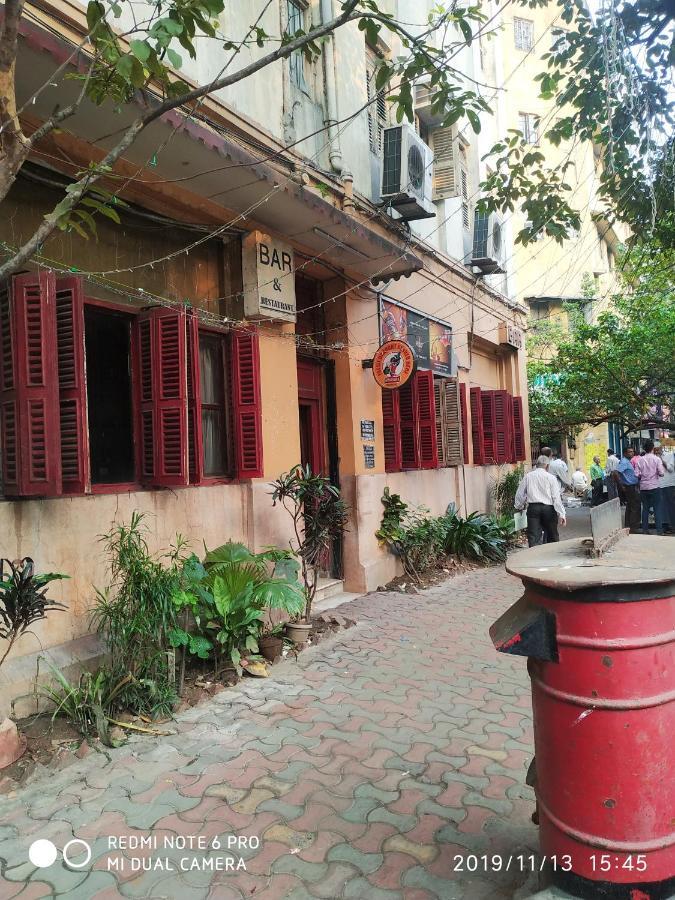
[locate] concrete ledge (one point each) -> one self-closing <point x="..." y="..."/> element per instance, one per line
<point x="17" y="676"/>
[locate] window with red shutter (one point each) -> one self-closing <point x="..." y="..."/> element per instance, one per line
<point x="518" y="429"/>
<point x="29" y="396"/>
<point x="502" y="426"/>
<point x="463" y="417"/>
<point x="391" y="431"/>
<point x="408" y="417"/>
<point x="75" y="461"/>
<point x="426" y="420"/>
<point x="247" y="412"/>
<point x="476" y="425"/>
<point x="163" y="411"/>
<point x="487" y="400"/>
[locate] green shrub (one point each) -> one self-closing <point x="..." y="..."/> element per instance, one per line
<point x="505" y="488"/>
<point x="414" y="536"/>
<point x="478" y="537"/>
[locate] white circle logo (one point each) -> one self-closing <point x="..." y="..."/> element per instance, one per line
<point x="73" y="844"/>
<point x="42" y="853"/>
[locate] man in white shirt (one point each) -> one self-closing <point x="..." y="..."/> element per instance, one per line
<point x="579" y="483"/>
<point x="667" y="485"/>
<point x="558" y="468"/>
<point x="610" y="466"/>
<point x="540" y="492"/>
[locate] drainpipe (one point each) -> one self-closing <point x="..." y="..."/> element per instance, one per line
<point x="330" y="82"/>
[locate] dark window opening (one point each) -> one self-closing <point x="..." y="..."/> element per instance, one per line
<point x="215" y="390"/>
<point x="111" y="437"/>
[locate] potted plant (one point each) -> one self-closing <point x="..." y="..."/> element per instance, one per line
<point x="271" y="642"/>
<point x="319" y="516"/>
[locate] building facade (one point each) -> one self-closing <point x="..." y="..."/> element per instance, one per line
<point x="222" y="332"/>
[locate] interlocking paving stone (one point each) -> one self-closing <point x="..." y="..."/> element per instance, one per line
<point x="363" y="766"/>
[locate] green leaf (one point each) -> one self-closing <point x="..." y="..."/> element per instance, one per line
<point x="174" y="58"/>
<point x="140" y="49"/>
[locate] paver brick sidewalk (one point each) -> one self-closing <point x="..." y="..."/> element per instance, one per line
<point x="381" y="765"/>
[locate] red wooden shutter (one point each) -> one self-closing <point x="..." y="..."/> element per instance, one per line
<point x="29" y="392"/>
<point x="439" y="404"/>
<point x="163" y="394"/>
<point x="407" y="404"/>
<point x="391" y="431"/>
<point x="247" y="407"/>
<point x="75" y="462"/>
<point x="194" y="398"/>
<point x="487" y="401"/>
<point x="502" y="423"/>
<point x="476" y="425"/>
<point x="426" y="420"/>
<point x="518" y="429"/>
<point x="463" y="416"/>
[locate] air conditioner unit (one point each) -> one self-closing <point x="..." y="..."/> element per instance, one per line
<point x="407" y="173"/>
<point x="488" y="243"/>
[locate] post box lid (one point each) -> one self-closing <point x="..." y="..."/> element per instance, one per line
<point x="635" y="560"/>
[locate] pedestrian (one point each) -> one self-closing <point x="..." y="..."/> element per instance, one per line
<point x="610" y="466"/>
<point x="579" y="483"/>
<point x="597" y="474"/>
<point x="627" y="478"/>
<point x="650" y="472"/>
<point x="668" y="489"/>
<point x="540" y="492"/>
<point x="558" y="468"/>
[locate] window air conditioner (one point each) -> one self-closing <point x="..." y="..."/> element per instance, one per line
<point x="407" y="173"/>
<point x="488" y="243"/>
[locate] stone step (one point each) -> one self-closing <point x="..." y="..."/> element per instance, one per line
<point x="328" y="587"/>
<point x="332" y="601"/>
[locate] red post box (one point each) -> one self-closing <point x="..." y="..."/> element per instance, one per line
<point x="599" y="631"/>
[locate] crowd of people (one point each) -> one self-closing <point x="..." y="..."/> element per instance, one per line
<point x="644" y="482"/>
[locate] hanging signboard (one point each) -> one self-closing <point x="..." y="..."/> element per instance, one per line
<point x="393" y="364"/>
<point x="430" y="338"/>
<point x="269" y="279"/>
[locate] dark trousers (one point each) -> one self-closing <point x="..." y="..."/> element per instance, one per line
<point x="631" y="493"/>
<point x="541" y="517"/>
<point x="597" y="485"/>
<point x="651" y="500"/>
<point x="668" y="505"/>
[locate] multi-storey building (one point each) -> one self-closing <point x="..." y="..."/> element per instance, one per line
<point x="545" y="274"/>
<point x="222" y="333"/>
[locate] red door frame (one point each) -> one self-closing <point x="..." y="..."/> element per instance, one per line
<point x="310" y="396"/>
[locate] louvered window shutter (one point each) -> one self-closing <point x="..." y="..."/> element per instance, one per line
<point x="452" y="424"/>
<point x="162" y="354"/>
<point x="426" y="415"/>
<point x="502" y="431"/>
<point x="75" y="461"/>
<point x="518" y="429"/>
<point x="445" y="169"/>
<point x="194" y="399"/>
<point x="439" y="402"/>
<point x="247" y="409"/>
<point x="509" y="427"/>
<point x="407" y="404"/>
<point x="487" y="399"/>
<point x="476" y="425"/>
<point x="465" y="431"/>
<point x="29" y="391"/>
<point x="391" y="431"/>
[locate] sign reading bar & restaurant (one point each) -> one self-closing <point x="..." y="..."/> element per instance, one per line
<point x="393" y="364"/>
<point x="430" y="338"/>
<point x="269" y="279"/>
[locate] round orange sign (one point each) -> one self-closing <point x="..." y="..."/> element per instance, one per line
<point x="393" y="364"/>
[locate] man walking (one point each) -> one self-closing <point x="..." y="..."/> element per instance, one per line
<point x="540" y="492"/>
<point x="625" y="475"/>
<point x="597" y="474"/>
<point x="650" y="471"/>
<point x="610" y="467"/>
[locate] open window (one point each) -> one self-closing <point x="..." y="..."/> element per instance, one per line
<point x="109" y="399"/>
<point x="215" y="394"/>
